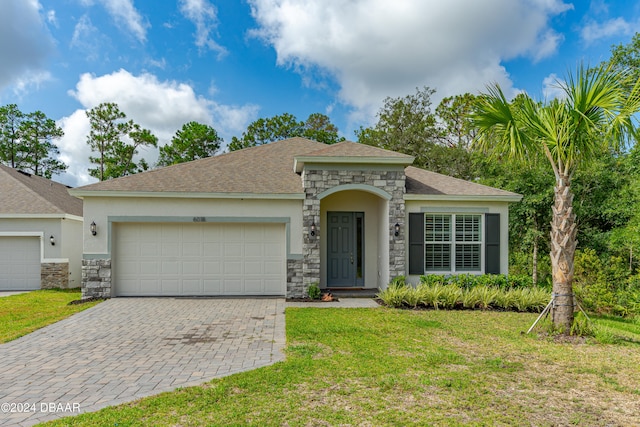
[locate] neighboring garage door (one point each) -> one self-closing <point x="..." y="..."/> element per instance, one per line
<point x="19" y="263"/>
<point x="199" y="259"/>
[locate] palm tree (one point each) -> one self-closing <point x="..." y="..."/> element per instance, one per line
<point x="595" y="114"/>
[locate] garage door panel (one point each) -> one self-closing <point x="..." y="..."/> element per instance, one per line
<point x="199" y="259"/>
<point x="213" y="249"/>
<point x="19" y="263"/>
<point x="212" y="287"/>
<point x="192" y="287"/>
<point x="232" y="267"/>
<point x="170" y="249"/>
<point x="212" y="268"/>
<point x="192" y="267"/>
<point x="170" y="267"/>
<point x="192" y="249"/>
<point x="254" y="286"/>
<point x="273" y="267"/>
<point x="232" y="249"/>
<point x="149" y="287"/>
<point x="232" y="285"/>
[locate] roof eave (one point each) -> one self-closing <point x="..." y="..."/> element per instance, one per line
<point x="41" y="216"/>
<point x="185" y="195"/>
<point x="299" y="161"/>
<point x="509" y="198"/>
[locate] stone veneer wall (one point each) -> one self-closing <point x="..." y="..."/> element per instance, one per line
<point x="54" y="275"/>
<point x="295" y="288"/>
<point x="96" y="278"/>
<point x="316" y="181"/>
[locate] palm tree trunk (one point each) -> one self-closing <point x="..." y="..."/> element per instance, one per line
<point x="563" y="247"/>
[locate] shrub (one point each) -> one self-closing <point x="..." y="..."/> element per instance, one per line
<point x="314" y="291"/>
<point x="464" y="281"/>
<point x="471" y="297"/>
<point x="487" y="296"/>
<point x="450" y="296"/>
<point x="582" y="326"/>
<point x="519" y="281"/>
<point x="433" y="279"/>
<point x="398" y="281"/>
<point x="394" y="295"/>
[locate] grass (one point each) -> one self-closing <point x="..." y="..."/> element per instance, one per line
<point x="24" y="313"/>
<point x="403" y="367"/>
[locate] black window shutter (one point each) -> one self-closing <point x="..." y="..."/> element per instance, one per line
<point x="416" y="243"/>
<point x="492" y="244"/>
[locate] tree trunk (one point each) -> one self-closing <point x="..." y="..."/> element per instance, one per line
<point x="563" y="247"/>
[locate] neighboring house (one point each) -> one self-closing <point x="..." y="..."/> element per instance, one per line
<point x="40" y="233"/>
<point x="273" y="219"/>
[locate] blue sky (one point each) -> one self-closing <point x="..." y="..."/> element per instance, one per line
<point x="227" y="63"/>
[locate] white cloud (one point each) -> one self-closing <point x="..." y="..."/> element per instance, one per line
<point x="161" y="106"/>
<point x="205" y="17"/>
<point x="377" y="48"/>
<point x="552" y="87"/>
<point x="25" y="44"/>
<point x="51" y="18"/>
<point x="125" y="14"/>
<point x="594" y="31"/>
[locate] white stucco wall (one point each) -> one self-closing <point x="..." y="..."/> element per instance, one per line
<point x="67" y="233"/>
<point x="102" y="210"/>
<point x="71" y="248"/>
<point x="441" y="206"/>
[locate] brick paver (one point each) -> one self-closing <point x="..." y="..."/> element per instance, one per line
<point x="127" y="348"/>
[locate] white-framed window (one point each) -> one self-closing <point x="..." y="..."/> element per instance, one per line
<point x="453" y="242"/>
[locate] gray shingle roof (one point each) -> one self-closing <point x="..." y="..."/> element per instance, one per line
<point x="424" y="182"/>
<point x="22" y="193"/>
<point x="269" y="169"/>
<point x="266" y="169"/>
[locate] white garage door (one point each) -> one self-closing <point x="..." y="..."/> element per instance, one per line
<point x="199" y="259"/>
<point x="19" y="263"/>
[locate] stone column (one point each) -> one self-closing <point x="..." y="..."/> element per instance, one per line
<point x="96" y="278"/>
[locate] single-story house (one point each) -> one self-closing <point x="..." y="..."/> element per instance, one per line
<point x="40" y="233"/>
<point x="274" y="219"/>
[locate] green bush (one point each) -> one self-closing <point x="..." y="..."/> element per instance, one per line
<point x="464" y="291"/>
<point x="314" y="291"/>
<point x="394" y="295"/>
<point x="433" y="279"/>
<point x="451" y="296"/>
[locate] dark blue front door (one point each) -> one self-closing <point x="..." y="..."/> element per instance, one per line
<point x="345" y="234"/>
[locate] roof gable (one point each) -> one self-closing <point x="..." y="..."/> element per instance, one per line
<point x="23" y="193"/>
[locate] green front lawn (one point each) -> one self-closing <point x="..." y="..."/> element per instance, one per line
<point x="24" y="313"/>
<point x="391" y="367"/>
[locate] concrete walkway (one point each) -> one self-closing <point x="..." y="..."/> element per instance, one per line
<point x="127" y="348"/>
<point x="9" y="293"/>
<point x="342" y="303"/>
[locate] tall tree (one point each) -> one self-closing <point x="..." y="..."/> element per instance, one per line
<point x="408" y="125"/>
<point x="597" y="112"/>
<point x="37" y="133"/>
<point x="115" y="156"/>
<point x="11" y="150"/>
<point x="263" y="131"/>
<point x="454" y="114"/>
<point x="193" y="141"/>
<point x="318" y="127"/>
<point x="405" y="124"/>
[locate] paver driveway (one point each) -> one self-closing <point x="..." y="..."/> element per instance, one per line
<point x="127" y="348"/>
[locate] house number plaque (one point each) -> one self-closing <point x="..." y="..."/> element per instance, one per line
<point x="199" y="219"/>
